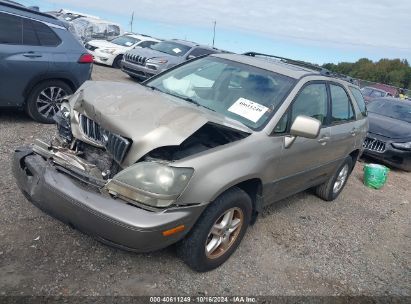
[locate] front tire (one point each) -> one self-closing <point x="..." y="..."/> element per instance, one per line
<point x="45" y="98"/>
<point x="218" y="232"/>
<point x="117" y="62"/>
<point x="330" y="190"/>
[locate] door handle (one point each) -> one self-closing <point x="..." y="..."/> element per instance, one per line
<point x="32" y="55"/>
<point x="323" y="140"/>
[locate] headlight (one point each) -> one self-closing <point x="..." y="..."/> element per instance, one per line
<point x="402" y="146"/>
<point x="157" y="60"/>
<point x="150" y="183"/>
<point x="62" y="119"/>
<point x="108" y="51"/>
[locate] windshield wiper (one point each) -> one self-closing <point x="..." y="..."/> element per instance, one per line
<point x="188" y="99"/>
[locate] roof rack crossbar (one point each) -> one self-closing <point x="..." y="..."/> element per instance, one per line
<point x="323" y="71"/>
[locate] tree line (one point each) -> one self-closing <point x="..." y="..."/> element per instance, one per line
<point x="395" y="72"/>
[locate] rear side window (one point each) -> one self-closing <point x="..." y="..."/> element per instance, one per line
<point x="359" y="99"/>
<point x="341" y="108"/>
<point x="10" y="29"/>
<point x="377" y="94"/>
<point x="45" y="35"/>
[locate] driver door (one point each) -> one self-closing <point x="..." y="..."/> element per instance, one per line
<point x="304" y="163"/>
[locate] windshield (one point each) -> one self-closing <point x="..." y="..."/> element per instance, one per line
<point x="125" y="40"/>
<point x="245" y="93"/>
<point x="171" y="48"/>
<point x="397" y="110"/>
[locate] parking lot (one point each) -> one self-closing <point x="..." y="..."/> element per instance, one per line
<point x="357" y="245"/>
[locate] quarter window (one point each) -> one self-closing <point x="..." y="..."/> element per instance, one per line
<point x="341" y="109"/>
<point x="312" y="102"/>
<point x="10" y="29"/>
<point x="359" y="99"/>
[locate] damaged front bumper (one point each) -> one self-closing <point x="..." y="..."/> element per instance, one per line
<point x="110" y="220"/>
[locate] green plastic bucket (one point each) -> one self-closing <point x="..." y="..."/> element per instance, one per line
<point x="375" y="175"/>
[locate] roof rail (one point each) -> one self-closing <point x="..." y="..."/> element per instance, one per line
<point x="321" y="70"/>
<point x="18" y="6"/>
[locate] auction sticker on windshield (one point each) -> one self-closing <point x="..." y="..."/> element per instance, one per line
<point x="176" y="50"/>
<point x="248" y="109"/>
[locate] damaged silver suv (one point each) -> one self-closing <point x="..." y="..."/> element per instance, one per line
<point x="192" y="155"/>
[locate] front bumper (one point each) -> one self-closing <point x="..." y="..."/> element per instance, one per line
<point x="394" y="157"/>
<point x="111" y="221"/>
<point x="136" y="70"/>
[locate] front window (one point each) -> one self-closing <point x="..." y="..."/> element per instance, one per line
<point x="396" y="110"/>
<point x="125" y="40"/>
<point x="171" y="48"/>
<point x="245" y="93"/>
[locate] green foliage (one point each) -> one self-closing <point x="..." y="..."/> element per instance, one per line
<point x="394" y="72"/>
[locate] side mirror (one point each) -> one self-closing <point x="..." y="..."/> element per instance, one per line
<point x="303" y="126"/>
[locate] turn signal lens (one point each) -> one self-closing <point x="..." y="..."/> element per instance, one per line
<point x="174" y="230"/>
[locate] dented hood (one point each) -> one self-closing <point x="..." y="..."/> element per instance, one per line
<point x="151" y="119"/>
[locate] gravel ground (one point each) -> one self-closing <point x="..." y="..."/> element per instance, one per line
<point x="356" y="245"/>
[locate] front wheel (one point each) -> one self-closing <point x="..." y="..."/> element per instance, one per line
<point x="117" y="62"/>
<point x="332" y="188"/>
<point x="218" y="232"/>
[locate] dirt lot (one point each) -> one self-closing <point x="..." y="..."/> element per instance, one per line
<point x="356" y="245"/>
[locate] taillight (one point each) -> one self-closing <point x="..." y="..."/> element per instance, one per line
<point x="86" y="58"/>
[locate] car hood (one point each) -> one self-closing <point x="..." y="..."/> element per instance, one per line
<point x="150" y="53"/>
<point x="151" y="119"/>
<point x="107" y="44"/>
<point x="389" y="127"/>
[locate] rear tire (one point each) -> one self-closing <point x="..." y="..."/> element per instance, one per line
<point x="330" y="190"/>
<point x="218" y="232"/>
<point x="45" y="98"/>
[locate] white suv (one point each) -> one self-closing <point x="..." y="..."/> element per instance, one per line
<point x="111" y="52"/>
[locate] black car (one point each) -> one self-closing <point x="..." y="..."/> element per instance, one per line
<point x="389" y="136"/>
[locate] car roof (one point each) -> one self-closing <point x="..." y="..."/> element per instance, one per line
<point x="273" y="65"/>
<point x="141" y="36"/>
<point x="193" y="44"/>
<point x="375" y="89"/>
<point x="20" y="10"/>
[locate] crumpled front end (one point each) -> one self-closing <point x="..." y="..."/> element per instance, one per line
<point x="52" y="188"/>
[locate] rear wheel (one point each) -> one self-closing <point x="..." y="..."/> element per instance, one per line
<point x="332" y="188"/>
<point x="45" y="98"/>
<point x="218" y="232"/>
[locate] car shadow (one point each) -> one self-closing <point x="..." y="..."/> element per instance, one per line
<point x="13" y="115"/>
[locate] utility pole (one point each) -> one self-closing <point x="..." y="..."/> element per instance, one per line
<point x="131" y="21"/>
<point x="215" y="22"/>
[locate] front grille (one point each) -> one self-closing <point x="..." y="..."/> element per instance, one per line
<point x="373" y="144"/>
<point x="90" y="47"/>
<point x="116" y="145"/>
<point x="140" y="60"/>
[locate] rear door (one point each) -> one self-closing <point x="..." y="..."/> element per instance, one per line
<point x="24" y="55"/>
<point x="344" y="128"/>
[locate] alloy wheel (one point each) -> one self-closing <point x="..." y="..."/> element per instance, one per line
<point x="49" y="100"/>
<point x="224" y="233"/>
<point x="341" y="179"/>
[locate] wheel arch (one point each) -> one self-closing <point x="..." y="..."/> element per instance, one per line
<point x="254" y="189"/>
<point x="48" y="77"/>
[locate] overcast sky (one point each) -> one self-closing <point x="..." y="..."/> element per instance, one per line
<point x="316" y="30"/>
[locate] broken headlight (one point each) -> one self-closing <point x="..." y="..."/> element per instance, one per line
<point x="150" y="183"/>
<point x="62" y="119"/>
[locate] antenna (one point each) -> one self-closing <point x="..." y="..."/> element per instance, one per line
<point x="131" y="22"/>
<point x="215" y="23"/>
